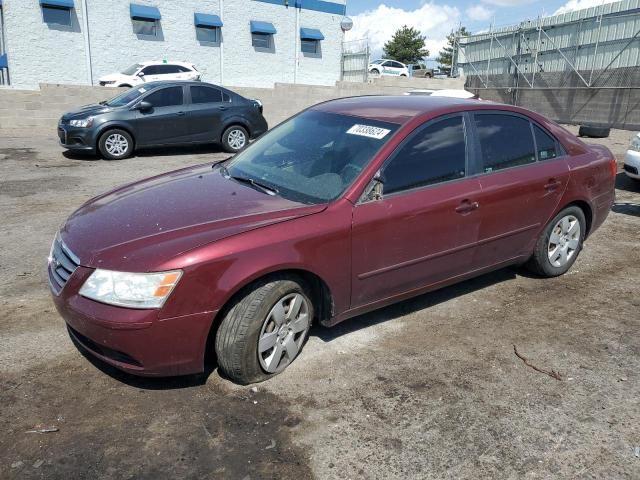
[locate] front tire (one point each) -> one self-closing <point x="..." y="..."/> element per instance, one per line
<point x="265" y="330"/>
<point x="235" y="139"/>
<point x="560" y="243"/>
<point x="115" y="144"/>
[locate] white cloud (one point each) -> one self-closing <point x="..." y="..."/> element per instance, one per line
<point x="479" y="13"/>
<point x="507" y="3"/>
<point x="378" y="25"/>
<point x="572" y="5"/>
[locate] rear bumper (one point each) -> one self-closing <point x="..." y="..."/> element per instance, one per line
<point x="632" y="164"/>
<point x="135" y="341"/>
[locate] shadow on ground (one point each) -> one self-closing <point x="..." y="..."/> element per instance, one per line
<point x="623" y="182"/>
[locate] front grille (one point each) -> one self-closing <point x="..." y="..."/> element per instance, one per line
<point x="61" y="265"/>
<point x="631" y="169"/>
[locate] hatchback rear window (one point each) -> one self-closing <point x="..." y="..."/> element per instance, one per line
<point x="506" y="141"/>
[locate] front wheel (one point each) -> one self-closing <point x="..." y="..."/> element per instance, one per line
<point x="265" y="330"/>
<point x="560" y="243"/>
<point x="234" y="139"/>
<point x="116" y="144"/>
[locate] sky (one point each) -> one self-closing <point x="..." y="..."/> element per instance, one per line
<point x="377" y="20"/>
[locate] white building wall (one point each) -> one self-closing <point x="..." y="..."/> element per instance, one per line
<point x="115" y="46"/>
<point x="39" y="53"/>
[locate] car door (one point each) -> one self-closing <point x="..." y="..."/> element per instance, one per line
<point x="166" y="121"/>
<point x="523" y="175"/>
<point x="169" y="72"/>
<point x="387" y="68"/>
<point x="206" y="112"/>
<point x="424" y="229"/>
<point x="149" y="73"/>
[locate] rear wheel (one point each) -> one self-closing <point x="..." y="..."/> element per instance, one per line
<point x="115" y="144"/>
<point x="265" y="330"/>
<point x="235" y="138"/>
<point x="560" y="243"/>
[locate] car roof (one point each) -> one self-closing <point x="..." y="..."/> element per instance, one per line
<point x="162" y="62"/>
<point x="398" y="109"/>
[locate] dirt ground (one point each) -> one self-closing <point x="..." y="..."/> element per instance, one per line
<point x="428" y="388"/>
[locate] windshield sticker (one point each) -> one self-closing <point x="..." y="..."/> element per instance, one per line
<point x="368" y="131"/>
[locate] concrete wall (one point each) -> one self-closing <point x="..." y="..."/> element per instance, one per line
<point x="41" y="53"/>
<point x="36" y="112"/>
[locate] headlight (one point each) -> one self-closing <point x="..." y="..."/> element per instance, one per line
<point x="133" y="290"/>
<point x="635" y="144"/>
<point x="82" y="123"/>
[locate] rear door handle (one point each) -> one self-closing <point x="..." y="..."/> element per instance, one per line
<point x="180" y="114"/>
<point x="552" y="185"/>
<point x="222" y="108"/>
<point x="467" y="207"/>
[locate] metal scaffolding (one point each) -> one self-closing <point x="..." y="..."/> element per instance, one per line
<point x="593" y="48"/>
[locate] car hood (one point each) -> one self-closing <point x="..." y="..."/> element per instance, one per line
<point x="140" y="226"/>
<point x="86" y="111"/>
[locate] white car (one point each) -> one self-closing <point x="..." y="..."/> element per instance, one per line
<point x="632" y="158"/>
<point x="384" y="67"/>
<point x="139" y="73"/>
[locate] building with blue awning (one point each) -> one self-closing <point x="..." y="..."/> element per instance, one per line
<point x="254" y="43"/>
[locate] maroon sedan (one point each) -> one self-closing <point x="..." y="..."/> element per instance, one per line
<point x="349" y="206"/>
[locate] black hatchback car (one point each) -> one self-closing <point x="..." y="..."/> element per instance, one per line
<point x="161" y="114"/>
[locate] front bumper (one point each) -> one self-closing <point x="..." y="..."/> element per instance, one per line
<point x="77" y="139"/>
<point x="139" y="342"/>
<point x="632" y="164"/>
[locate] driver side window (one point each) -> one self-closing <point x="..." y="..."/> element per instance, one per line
<point x="435" y="154"/>
<point x="166" y="97"/>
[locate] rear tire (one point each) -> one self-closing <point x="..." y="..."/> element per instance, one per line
<point x="116" y="144"/>
<point x="559" y="244"/>
<point x="264" y="330"/>
<point x="593" y="132"/>
<point x="235" y="139"/>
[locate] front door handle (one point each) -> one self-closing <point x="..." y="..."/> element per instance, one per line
<point x="180" y="114"/>
<point x="222" y="108"/>
<point x="552" y="185"/>
<point x="466" y="207"/>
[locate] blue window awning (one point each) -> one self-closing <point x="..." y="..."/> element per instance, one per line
<point x="4" y="63"/>
<point x="57" y="3"/>
<point x="206" y="20"/>
<point x="142" y="12"/>
<point x="263" y="27"/>
<point x="311" y="34"/>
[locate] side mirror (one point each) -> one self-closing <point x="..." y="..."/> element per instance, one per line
<point x="140" y="74"/>
<point x="144" y="106"/>
<point x="374" y="190"/>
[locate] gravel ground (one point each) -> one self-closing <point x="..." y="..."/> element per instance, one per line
<point x="428" y="388"/>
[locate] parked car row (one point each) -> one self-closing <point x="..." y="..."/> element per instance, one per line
<point x="347" y="207"/>
<point x="386" y="67"/>
<point x="161" y="114"/>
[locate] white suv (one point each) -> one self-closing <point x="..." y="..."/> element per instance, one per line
<point x="151" y="72"/>
<point x="632" y="158"/>
<point x="388" y="68"/>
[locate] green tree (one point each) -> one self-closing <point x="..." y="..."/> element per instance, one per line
<point x="445" y="57"/>
<point x="406" y="46"/>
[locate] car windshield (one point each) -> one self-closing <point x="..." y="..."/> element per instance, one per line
<point x="313" y="157"/>
<point x="127" y="97"/>
<point x="132" y="69"/>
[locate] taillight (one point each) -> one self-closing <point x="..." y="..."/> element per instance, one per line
<point x="613" y="164"/>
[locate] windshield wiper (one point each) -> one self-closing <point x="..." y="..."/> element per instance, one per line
<point x="250" y="181"/>
<point x="102" y="102"/>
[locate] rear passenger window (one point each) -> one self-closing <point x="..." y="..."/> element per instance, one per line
<point x="167" y="97"/>
<point x="506" y="141"/>
<point x="545" y="144"/>
<point x="205" y="95"/>
<point x="435" y="154"/>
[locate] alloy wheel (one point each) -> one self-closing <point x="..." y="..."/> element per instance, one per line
<point x="564" y="241"/>
<point x="283" y="332"/>
<point x="237" y="139"/>
<point x="116" y="145"/>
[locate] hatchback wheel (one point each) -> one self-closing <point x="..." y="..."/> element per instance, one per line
<point x="234" y="139"/>
<point x="115" y="144"/>
<point x="265" y="330"/>
<point x="560" y="243"/>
